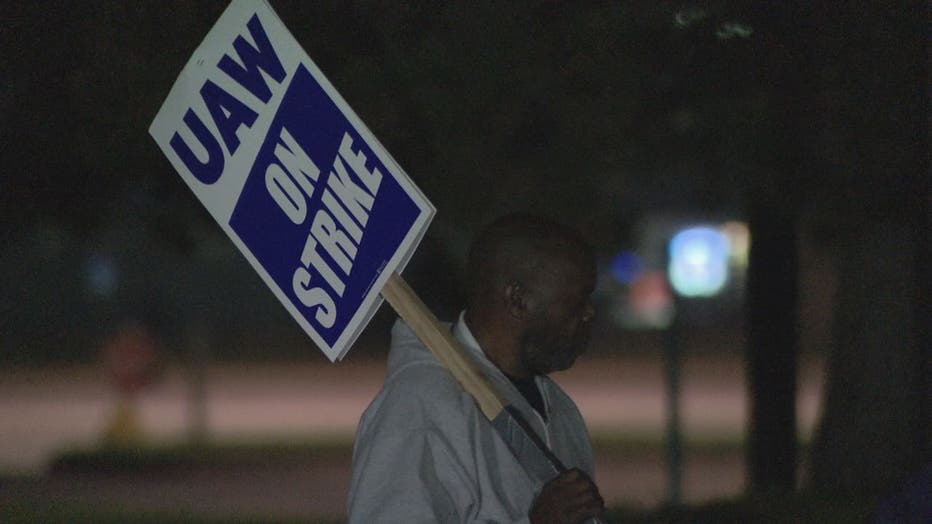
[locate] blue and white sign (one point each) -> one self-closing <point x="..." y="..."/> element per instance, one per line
<point x="319" y="208"/>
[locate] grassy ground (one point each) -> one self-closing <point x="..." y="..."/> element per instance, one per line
<point x="796" y="509"/>
<point x="25" y="514"/>
<point x="36" y="507"/>
<point x="167" y="457"/>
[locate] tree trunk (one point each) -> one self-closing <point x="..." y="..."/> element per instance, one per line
<point x="871" y="430"/>
<point x="874" y="147"/>
<point x="772" y="351"/>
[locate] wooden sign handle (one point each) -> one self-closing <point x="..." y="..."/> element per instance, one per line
<point x="439" y="340"/>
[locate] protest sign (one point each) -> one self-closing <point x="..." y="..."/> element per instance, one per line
<point x="300" y="185"/>
<point x="319" y="208"/>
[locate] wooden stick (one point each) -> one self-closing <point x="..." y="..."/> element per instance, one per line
<point x="439" y="340"/>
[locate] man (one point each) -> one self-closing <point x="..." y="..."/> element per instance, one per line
<point x="425" y="453"/>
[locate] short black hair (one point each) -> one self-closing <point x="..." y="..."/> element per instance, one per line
<point x="520" y="246"/>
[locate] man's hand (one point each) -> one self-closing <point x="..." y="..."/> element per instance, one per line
<point x="570" y="498"/>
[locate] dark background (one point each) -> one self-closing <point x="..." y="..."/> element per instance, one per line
<point x="806" y="120"/>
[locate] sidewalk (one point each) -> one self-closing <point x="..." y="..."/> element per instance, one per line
<point x="44" y="412"/>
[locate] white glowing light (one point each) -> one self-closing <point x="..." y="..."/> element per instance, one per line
<point x="698" y="265"/>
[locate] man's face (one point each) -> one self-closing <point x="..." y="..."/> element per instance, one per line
<point x="558" y="330"/>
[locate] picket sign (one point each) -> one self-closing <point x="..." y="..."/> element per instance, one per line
<point x="305" y="191"/>
<point x="316" y="204"/>
<point x="252" y="126"/>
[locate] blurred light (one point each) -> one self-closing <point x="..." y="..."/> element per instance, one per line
<point x="730" y="30"/>
<point x="739" y="241"/>
<point x="102" y="278"/>
<point x="689" y="16"/>
<point x="645" y="303"/>
<point x="698" y="265"/>
<point x="626" y="267"/>
<point x="650" y="300"/>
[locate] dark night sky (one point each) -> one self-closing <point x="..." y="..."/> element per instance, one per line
<point x="598" y="113"/>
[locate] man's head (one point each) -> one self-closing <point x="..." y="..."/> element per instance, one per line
<point x="529" y="286"/>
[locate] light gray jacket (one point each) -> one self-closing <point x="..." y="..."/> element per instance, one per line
<point x="424" y="451"/>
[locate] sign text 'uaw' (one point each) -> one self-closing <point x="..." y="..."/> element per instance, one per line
<point x="302" y="187"/>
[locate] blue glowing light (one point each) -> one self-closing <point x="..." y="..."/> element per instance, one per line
<point x="626" y="267"/>
<point x="698" y="262"/>
<point x="102" y="275"/>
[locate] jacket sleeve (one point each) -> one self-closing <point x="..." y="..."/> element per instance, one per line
<point x="397" y="479"/>
<point x="408" y="469"/>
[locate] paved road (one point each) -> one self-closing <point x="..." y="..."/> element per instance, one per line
<point x="45" y="411"/>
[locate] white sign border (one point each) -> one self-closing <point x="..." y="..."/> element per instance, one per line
<point x="239" y="12"/>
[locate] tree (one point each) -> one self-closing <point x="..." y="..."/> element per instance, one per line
<point x="873" y="213"/>
<point x="773" y="201"/>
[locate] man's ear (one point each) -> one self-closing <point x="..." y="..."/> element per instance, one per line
<point x="517" y="300"/>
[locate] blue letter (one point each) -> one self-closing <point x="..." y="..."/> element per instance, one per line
<point x="253" y="60"/>
<point x="221" y="104"/>
<point x="209" y="171"/>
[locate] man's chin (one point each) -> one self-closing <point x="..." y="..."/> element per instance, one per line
<point x="563" y="364"/>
